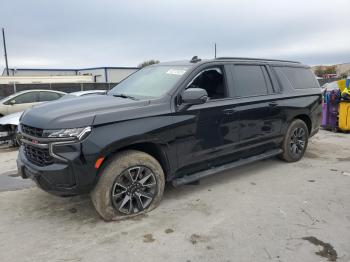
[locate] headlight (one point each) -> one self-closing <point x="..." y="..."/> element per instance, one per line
<point x="75" y="133"/>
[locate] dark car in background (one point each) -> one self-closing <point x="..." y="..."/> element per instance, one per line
<point x="171" y="122"/>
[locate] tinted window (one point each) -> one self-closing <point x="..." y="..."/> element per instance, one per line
<point x="212" y="80"/>
<point x="26" y="98"/>
<point x="250" y="80"/>
<point x="48" y="96"/>
<point x="299" y="78"/>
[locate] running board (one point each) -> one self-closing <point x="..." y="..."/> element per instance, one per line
<point x="196" y="176"/>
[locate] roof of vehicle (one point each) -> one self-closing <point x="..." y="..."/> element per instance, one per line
<point x="256" y="59"/>
<point x="196" y="61"/>
<point x="37" y="90"/>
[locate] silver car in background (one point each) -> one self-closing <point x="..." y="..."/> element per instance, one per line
<point x="9" y="123"/>
<point x="23" y="100"/>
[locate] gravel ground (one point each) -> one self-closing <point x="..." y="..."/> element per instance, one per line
<point x="8" y="170"/>
<point x="267" y="211"/>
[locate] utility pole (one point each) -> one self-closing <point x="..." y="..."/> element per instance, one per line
<point x="215" y="49"/>
<point x="4" y="41"/>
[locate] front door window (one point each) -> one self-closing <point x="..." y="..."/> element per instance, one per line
<point x="211" y="80"/>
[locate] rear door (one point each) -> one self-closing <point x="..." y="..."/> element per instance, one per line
<point x="259" y="114"/>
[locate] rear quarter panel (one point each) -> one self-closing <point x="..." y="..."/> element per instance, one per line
<point x="294" y="106"/>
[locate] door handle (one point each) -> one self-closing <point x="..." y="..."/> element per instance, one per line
<point x="229" y="111"/>
<point x="273" y="104"/>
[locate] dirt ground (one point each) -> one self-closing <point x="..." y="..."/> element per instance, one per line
<point x="267" y="211"/>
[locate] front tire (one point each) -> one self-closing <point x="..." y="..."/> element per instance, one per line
<point x="132" y="183"/>
<point x="295" y="141"/>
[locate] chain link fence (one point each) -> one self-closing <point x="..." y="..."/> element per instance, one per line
<point x="6" y="89"/>
<point x="327" y="80"/>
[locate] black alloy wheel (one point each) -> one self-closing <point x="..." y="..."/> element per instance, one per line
<point x="297" y="141"/>
<point x="134" y="190"/>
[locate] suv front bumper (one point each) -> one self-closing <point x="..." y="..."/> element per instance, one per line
<point x="60" y="178"/>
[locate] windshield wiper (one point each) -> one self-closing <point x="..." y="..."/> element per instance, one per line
<point x="125" y="96"/>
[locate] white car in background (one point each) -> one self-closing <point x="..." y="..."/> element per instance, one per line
<point x="8" y="127"/>
<point x="23" y="100"/>
<point x="85" y="93"/>
<point x="9" y="123"/>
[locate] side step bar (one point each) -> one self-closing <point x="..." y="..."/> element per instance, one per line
<point x="196" y="176"/>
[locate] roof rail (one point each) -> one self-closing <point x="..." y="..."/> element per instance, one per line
<point x="256" y="59"/>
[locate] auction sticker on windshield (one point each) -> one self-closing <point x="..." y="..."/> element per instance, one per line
<point x="179" y="72"/>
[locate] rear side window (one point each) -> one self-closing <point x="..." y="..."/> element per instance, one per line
<point x="250" y="80"/>
<point x="298" y="78"/>
<point x="48" y="96"/>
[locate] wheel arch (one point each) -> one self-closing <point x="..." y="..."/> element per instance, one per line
<point x="306" y="119"/>
<point x="155" y="150"/>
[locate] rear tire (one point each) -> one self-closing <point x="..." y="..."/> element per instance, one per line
<point x="132" y="183"/>
<point x="295" y="141"/>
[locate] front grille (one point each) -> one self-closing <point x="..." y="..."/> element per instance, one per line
<point x="32" y="131"/>
<point x="38" y="156"/>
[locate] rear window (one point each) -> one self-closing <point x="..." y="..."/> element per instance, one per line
<point x="48" y="96"/>
<point x="250" y="80"/>
<point x="298" y="78"/>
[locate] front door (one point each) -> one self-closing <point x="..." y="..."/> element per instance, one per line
<point x="23" y="102"/>
<point x="208" y="131"/>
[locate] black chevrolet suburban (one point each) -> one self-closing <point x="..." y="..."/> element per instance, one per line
<point x="171" y="122"/>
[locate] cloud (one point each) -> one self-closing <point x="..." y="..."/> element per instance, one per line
<point x="81" y="33"/>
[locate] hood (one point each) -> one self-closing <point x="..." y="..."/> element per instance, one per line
<point x="77" y="112"/>
<point x="12" y="119"/>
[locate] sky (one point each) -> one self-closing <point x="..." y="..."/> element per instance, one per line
<point x="86" y="33"/>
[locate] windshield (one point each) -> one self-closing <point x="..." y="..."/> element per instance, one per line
<point x="153" y="81"/>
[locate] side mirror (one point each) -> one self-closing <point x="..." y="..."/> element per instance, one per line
<point x="194" y="96"/>
<point x="12" y="102"/>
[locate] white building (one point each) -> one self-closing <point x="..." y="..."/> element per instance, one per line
<point x="98" y="74"/>
<point x="67" y="80"/>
